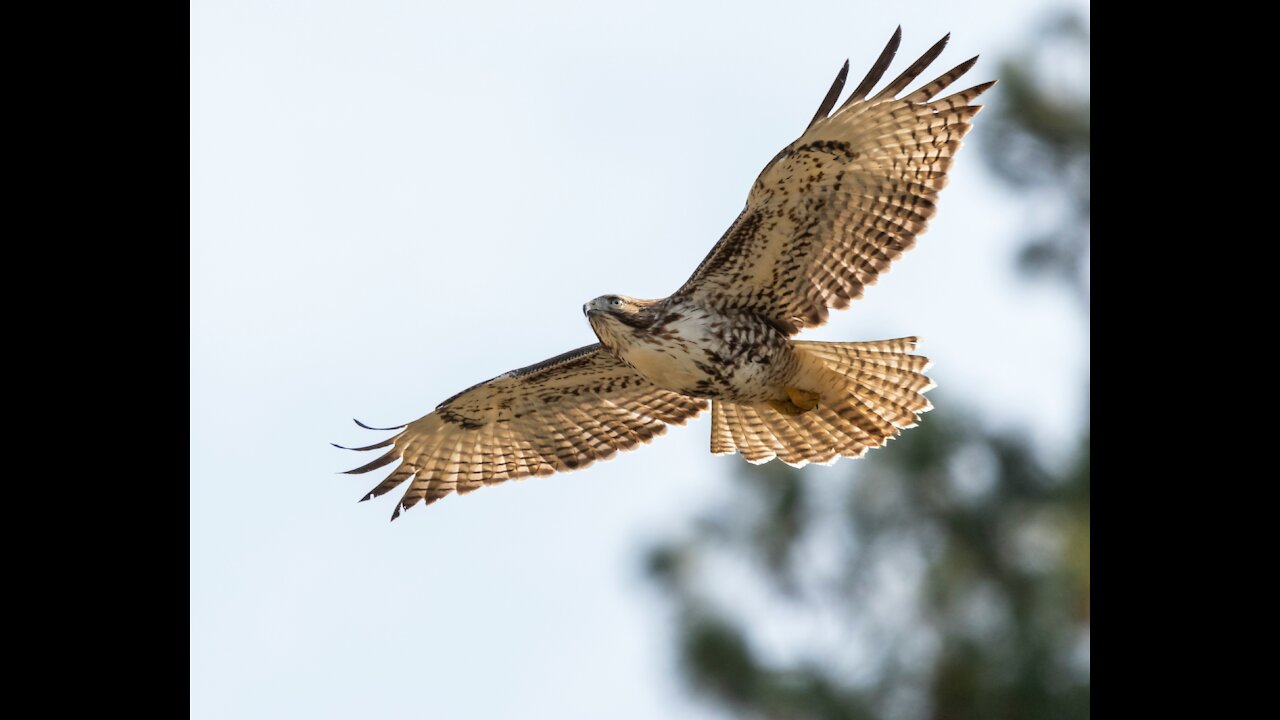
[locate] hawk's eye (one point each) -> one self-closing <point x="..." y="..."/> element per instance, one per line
<point x="615" y="302"/>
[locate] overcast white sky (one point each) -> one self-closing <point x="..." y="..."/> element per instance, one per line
<point x="391" y="201"/>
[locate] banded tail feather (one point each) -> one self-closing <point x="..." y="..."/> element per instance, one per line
<point x="868" y="393"/>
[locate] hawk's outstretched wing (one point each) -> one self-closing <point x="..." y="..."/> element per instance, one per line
<point x="831" y="211"/>
<point x="561" y="414"/>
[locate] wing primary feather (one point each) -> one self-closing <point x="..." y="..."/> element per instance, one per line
<point x="390" y="457"/>
<point x="912" y="72"/>
<point x="937" y="86"/>
<point x="833" y="94"/>
<point x="877" y="70"/>
<point x="390" y="482"/>
<point x="964" y="97"/>
<point x="368" y="427"/>
<point x="374" y="446"/>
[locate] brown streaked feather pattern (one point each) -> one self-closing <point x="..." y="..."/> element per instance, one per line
<point x="561" y="414"/>
<point x="838" y="206"/>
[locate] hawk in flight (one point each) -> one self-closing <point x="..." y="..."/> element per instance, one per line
<point x="826" y="216"/>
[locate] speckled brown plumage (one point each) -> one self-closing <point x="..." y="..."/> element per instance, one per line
<point x="561" y="414"/>
<point x="826" y="217"/>
<point x="835" y="208"/>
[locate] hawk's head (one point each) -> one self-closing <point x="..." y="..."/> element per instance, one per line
<point x="612" y="315"/>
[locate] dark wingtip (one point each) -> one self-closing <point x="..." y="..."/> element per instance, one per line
<point x="942" y="82"/>
<point x="385" y="459"/>
<point x="368" y="427"/>
<point x="980" y="88"/>
<point x="828" y="102"/>
<point x="899" y="83"/>
<point x="396" y="514"/>
<point x="877" y="69"/>
<point x="365" y="448"/>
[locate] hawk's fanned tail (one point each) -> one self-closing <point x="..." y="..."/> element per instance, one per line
<point x="869" y="392"/>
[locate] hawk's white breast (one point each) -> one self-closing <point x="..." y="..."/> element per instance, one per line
<point x="670" y="358"/>
<point x="703" y="353"/>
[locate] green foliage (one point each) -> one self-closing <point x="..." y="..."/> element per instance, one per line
<point x="999" y="599"/>
<point x="1037" y="140"/>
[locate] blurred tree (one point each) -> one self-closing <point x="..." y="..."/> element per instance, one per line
<point x="951" y="581"/>
<point x="1038" y="142"/>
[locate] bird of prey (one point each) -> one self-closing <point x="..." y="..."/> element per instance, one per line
<point x="824" y="219"/>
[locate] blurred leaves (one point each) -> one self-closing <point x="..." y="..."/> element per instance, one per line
<point x="946" y="576"/>
<point x="993" y="621"/>
<point x="1037" y="141"/>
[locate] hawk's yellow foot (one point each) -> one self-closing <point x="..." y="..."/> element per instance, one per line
<point x="786" y="407"/>
<point x="803" y="399"/>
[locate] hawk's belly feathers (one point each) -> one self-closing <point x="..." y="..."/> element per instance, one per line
<point x="701" y="353"/>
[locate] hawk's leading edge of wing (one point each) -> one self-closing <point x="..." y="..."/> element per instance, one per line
<point x="561" y="414"/>
<point x="836" y="207"/>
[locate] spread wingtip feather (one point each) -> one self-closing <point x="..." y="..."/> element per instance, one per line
<point x="877" y="70"/>
<point x="369" y="427"/>
<point x="833" y="94"/>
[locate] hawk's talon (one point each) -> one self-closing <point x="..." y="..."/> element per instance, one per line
<point x="786" y="407"/>
<point x="803" y="399"/>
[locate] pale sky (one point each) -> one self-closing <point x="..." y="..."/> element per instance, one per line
<point x="393" y="201"/>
